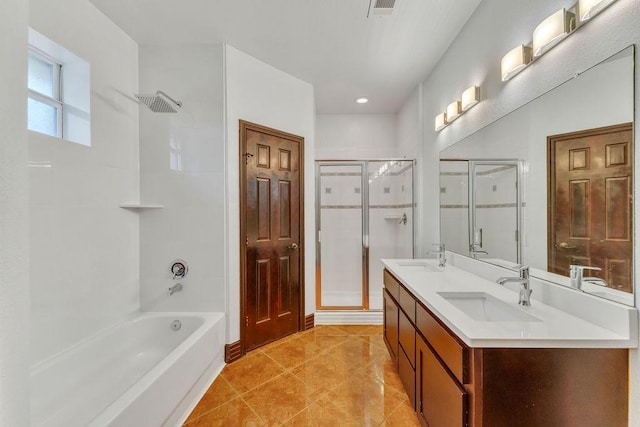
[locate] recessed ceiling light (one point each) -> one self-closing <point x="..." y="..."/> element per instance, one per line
<point x="362" y="100"/>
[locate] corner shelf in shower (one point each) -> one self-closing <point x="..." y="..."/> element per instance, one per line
<point x="140" y="206"/>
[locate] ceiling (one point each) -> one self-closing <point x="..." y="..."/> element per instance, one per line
<point x="329" y="43"/>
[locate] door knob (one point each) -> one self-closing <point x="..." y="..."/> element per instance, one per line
<point x="293" y="246"/>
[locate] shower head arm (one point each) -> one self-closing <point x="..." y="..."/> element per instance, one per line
<point x="178" y="103"/>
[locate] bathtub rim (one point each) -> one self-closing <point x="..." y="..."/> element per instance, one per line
<point x="133" y="317"/>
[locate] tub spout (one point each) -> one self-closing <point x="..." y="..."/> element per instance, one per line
<point x="175" y="288"/>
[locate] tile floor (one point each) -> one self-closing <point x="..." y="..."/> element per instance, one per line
<point x="327" y="376"/>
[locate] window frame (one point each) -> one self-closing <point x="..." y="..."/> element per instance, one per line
<point x="55" y="101"/>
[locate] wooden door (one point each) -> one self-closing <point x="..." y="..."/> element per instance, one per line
<point x="590" y="203"/>
<point x="271" y="234"/>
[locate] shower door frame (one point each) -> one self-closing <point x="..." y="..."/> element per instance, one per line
<point x="364" y="198"/>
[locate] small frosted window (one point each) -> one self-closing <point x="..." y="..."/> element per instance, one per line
<point x="42" y="76"/>
<point x="42" y="117"/>
<point x="58" y="84"/>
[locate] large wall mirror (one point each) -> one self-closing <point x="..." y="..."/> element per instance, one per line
<point x="573" y="150"/>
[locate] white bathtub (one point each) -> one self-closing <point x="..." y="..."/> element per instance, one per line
<point x="138" y="373"/>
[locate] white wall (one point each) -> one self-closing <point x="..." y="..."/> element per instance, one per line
<point x="260" y="93"/>
<point x="84" y="257"/>
<point x="481" y="44"/>
<point x="14" y="221"/>
<point x="356" y="136"/>
<point x="410" y="129"/>
<point x="182" y="168"/>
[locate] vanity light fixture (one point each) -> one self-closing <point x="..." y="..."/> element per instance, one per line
<point x="552" y="31"/>
<point x="515" y="61"/>
<point x="549" y="33"/>
<point x="453" y="111"/>
<point x="470" y="97"/>
<point x="441" y="121"/>
<point x="587" y="9"/>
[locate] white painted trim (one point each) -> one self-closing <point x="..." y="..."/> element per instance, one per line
<point x="345" y="317"/>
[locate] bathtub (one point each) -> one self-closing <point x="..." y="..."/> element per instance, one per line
<point x="143" y="372"/>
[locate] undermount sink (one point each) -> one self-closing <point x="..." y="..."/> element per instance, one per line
<point x="486" y="308"/>
<point x="419" y="265"/>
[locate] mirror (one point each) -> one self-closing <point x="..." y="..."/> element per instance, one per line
<point x="568" y="207"/>
<point x="484" y="194"/>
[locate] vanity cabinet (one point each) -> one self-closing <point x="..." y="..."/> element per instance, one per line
<point x="390" y="321"/>
<point x="451" y="384"/>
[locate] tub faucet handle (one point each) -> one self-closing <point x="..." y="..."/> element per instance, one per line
<point x="179" y="269"/>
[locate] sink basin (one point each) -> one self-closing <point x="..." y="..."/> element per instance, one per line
<point x="419" y="265"/>
<point x="486" y="308"/>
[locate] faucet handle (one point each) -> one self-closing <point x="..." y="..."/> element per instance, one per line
<point x="439" y="246"/>
<point x="524" y="271"/>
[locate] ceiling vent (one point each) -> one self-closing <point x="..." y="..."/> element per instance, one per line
<point x="381" y="7"/>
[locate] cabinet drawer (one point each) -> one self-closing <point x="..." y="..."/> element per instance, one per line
<point x="408" y="304"/>
<point x="441" y="400"/>
<point x="450" y="350"/>
<point x="408" y="377"/>
<point x="407" y="337"/>
<point x="392" y="284"/>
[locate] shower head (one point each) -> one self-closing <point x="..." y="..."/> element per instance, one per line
<point x="160" y="102"/>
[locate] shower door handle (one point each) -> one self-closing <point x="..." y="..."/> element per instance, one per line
<point x="293" y="246"/>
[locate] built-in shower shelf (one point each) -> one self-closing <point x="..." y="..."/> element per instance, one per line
<point x="136" y="206"/>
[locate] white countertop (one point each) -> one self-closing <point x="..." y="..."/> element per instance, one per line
<point x="555" y="328"/>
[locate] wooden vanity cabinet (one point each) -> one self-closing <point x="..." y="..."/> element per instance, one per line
<point x="390" y="325"/>
<point x="453" y="385"/>
<point x="440" y="399"/>
<point x="400" y="331"/>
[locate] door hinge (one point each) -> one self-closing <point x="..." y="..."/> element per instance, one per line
<point x="246" y="240"/>
<point x="246" y="321"/>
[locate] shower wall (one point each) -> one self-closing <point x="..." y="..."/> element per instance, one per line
<point x="84" y="251"/>
<point x="182" y="167"/>
<point x="390" y="219"/>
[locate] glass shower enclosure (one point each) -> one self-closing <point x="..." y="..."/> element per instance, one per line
<point x="364" y="213"/>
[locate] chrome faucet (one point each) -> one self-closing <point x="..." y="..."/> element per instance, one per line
<point x="523" y="279"/>
<point x="576" y="273"/>
<point x="175" y="288"/>
<point x="442" y="258"/>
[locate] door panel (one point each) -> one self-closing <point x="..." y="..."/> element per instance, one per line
<point x="590" y="199"/>
<point x="272" y="231"/>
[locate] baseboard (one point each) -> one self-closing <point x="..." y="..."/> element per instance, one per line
<point x="232" y="352"/>
<point x="348" y="317"/>
<point x="309" y="321"/>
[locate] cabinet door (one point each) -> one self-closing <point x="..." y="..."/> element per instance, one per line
<point x="407" y="376"/>
<point x="440" y="399"/>
<point x="391" y="326"/>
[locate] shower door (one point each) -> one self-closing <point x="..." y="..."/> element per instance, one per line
<point x="495" y="214"/>
<point x="364" y="213"/>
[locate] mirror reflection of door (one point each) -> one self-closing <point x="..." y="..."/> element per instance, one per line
<point x="590" y="199"/>
<point x="495" y="225"/>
